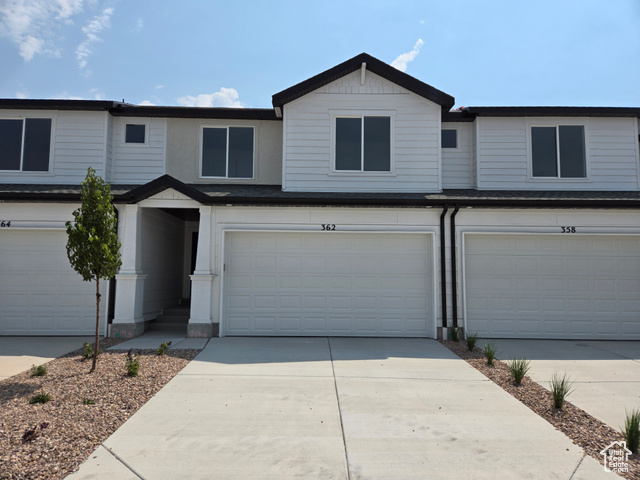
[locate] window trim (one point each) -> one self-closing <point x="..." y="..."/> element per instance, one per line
<point x="147" y="131"/>
<point x="334" y="114"/>
<point x="23" y="118"/>
<point x="577" y="122"/>
<point x="227" y="127"/>
<point x="449" y="149"/>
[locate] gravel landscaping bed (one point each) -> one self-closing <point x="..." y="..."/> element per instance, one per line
<point x="51" y="440"/>
<point x="584" y="430"/>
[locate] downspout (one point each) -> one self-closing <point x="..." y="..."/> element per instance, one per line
<point x="454" y="280"/>
<point x="111" y="301"/>
<point x="443" y="269"/>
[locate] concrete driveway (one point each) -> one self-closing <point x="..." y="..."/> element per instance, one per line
<point x="278" y="408"/>
<point x="18" y="354"/>
<point x="606" y="374"/>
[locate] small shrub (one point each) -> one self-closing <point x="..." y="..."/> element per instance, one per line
<point x="471" y="341"/>
<point x="39" y="371"/>
<point x="490" y="351"/>
<point x="560" y="389"/>
<point x="132" y="364"/>
<point x="88" y="351"/>
<point x="40" y="398"/>
<point x="519" y="367"/>
<point x="88" y="401"/>
<point x="162" y="349"/>
<point x="631" y="430"/>
<point x="455" y="334"/>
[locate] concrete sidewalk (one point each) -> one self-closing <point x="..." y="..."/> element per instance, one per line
<point x="18" y="354"/>
<point x="335" y="408"/>
<point x="605" y="374"/>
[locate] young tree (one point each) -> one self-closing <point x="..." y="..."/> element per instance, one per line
<point x="92" y="244"/>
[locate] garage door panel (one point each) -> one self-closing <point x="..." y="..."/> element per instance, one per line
<point x="572" y="286"/>
<point x="334" y="283"/>
<point x="40" y="294"/>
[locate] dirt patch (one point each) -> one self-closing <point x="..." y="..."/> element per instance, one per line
<point x="51" y="440"/>
<point x="584" y="430"/>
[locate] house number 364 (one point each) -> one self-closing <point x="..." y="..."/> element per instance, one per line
<point x="4" y="223"/>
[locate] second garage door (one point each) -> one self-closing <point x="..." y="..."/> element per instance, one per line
<point x="40" y="294"/>
<point x="553" y="286"/>
<point x="328" y="283"/>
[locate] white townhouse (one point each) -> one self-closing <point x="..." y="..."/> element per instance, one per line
<point x="359" y="205"/>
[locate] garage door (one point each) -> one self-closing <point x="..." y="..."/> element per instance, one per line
<point x="40" y="294"/>
<point x="333" y="283"/>
<point x="553" y="286"/>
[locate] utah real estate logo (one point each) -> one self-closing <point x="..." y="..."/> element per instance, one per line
<point x="616" y="457"/>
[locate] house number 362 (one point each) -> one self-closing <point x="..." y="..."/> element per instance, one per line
<point x="328" y="226"/>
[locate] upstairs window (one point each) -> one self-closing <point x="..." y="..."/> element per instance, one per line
<point x="135" y="133"/>
<point x="558" y="151"/>
<point x="363" y="144"/>
<point x="25" y="144"/>
<point x="449" y="138"/>
<point x="227" y="152"/>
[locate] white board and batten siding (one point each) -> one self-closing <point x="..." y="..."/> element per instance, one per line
<point x="308" y="131"/>
<point x="139" y="163"/>
<point x="78" y="141"/>
<point x="457" y="168"/>
<point x="503" y="151"/>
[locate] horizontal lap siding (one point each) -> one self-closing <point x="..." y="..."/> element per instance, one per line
<point x="612" y="154"/>
<point x="139" y="163"/>
<point x="308" y="130"/>
<point x="456" y="162"/>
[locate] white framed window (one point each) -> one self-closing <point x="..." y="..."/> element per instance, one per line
<point x="25" y="144"/>
<point x="449" y="138"/>
<point x="558" y="151"/>
<point x="227" y="152"/>
<point x="362" y="143"/>
<point x="136" y="133"/>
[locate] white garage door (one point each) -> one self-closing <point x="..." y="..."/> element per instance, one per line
<point x="40" y="294"/>
<point x="553" y="286"/>
<point x="328" y="283"/>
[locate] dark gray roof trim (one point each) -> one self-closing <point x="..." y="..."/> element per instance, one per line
<point x="551" y="111"/>
<point x="227" y="194"/>
<point x="195" y="112"/>
<point x="374" y="65"/>
<point x="33" y="104"/>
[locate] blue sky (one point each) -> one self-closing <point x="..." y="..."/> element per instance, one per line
<point x="239" y="53"/>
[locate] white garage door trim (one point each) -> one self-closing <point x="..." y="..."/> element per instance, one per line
<point x="40" y="293"/>
<point x="297" y="321"/>
<point x="602" y="285"/>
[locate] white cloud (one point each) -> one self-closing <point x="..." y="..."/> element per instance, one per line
<point x="30" y="24"/>
<point x="139" y="26"/>
<point x="67" y="96"/>
<point x="91" y="30"/>
<point x="20" y="94"/>
<point x="225" y="97"/>
<point x="401" y="62"/>
<point x="146" y="102"/>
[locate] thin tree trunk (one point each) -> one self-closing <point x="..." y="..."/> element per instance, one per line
<point x="96" y="345"/>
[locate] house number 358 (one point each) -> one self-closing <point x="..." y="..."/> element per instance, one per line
<point x="328" y="226"/>
<point x="568" y="229"/>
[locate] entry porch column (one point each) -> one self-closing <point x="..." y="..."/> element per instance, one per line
<point x="200" y="321"/>
<point x="128" y="320"/>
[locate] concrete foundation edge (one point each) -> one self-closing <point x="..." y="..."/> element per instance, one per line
<point x="202" y="330"/>
<point x="126" y="330"/>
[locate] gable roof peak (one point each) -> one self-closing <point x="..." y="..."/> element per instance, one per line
<point x="374" y="65"/>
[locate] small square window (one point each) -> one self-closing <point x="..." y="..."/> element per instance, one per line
<point x="134" y="133"/>
<point x="449" y="139"/>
